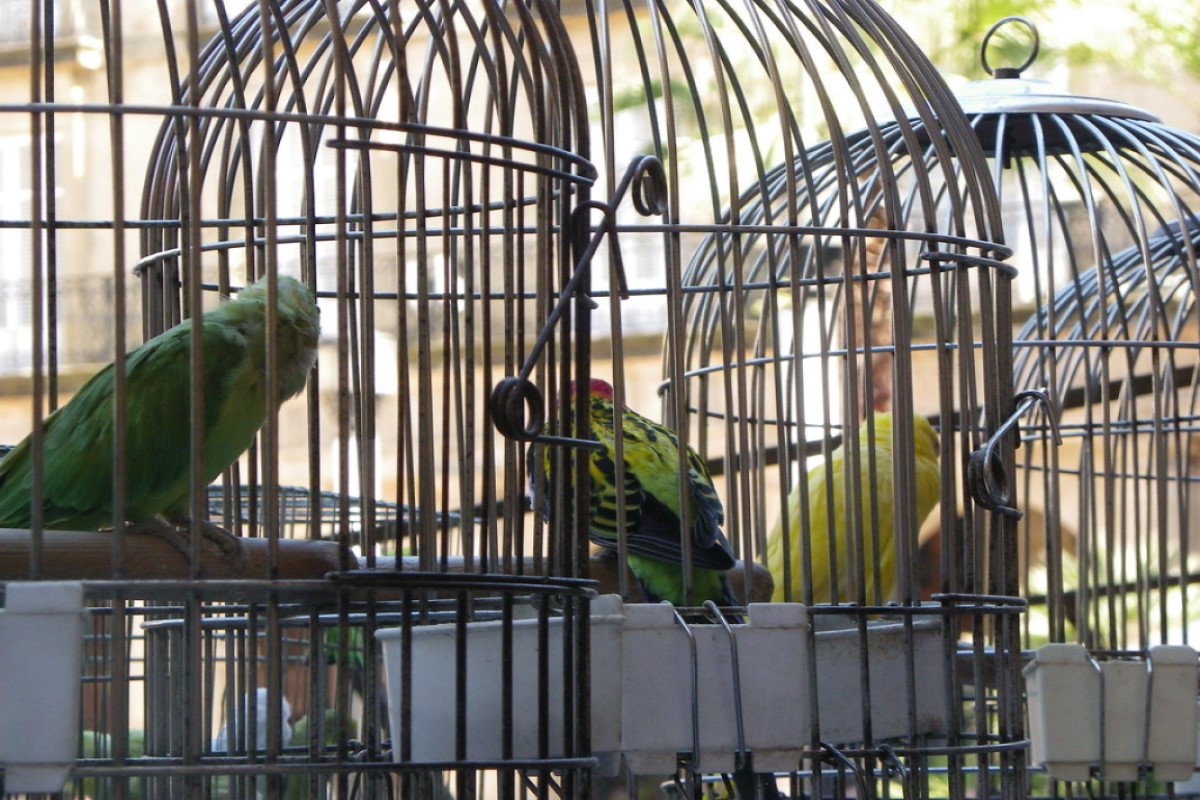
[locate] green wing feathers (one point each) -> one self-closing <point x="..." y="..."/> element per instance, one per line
<point x="78" y="438"/>
<point x="654" y="506"/>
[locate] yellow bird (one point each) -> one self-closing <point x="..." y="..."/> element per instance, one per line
<point x="816" y="532"/>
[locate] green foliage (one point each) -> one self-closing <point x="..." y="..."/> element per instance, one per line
<point x="97" y="745"/>
<point x="1154" y="39"/>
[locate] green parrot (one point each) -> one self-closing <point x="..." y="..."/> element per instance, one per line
<point x="77" y="479"/>
<point x="653" y="505"/>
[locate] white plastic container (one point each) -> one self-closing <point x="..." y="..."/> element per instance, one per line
<point x="658" y="689"/>
<point x="434" y="686"/>
<point x="841" y="651"/>
<point x="1117" y="718"/>
<point x="41" y="649"/>
<point x="1062" y="684"/>
<point x="642" y="687"/>
<point x="1171" y="742"/>
<point x="1126" y="685"/>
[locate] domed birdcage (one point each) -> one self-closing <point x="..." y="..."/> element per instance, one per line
<point x="1099" y="201"/>
<point x="787" y="179"/>
<point x="809" y="219"/>
<point x="418" y="166"/>
<point x="829" y="244"/>
<point x="1101" y="389"/>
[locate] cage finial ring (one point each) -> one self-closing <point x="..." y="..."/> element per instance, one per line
<point x="1010" y="72"/>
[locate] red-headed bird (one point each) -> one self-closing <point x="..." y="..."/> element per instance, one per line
<point x="654" y="506"/>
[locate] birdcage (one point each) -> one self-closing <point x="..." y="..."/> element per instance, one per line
<point x="832" y="246"/>
<point x="789" y="192"/>
<point x="1099" y="201"/>
<point x="418" y="167"/>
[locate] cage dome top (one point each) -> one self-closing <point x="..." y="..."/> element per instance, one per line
<point x="1005" y="94"/>
<point x="1013" y="115"/>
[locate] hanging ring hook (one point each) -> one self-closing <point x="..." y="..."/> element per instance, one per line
<point x="650" y="186"/>
<point x="513" y="401"/>
<point x="1010" y="72"/>
<point x="987" y="478"/>
<point x="516" y="405"/>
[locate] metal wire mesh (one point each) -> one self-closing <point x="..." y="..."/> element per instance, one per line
<point x="1114" y="346"/>
<point x="1099" y="200"/>
<point x="394" y="523"/>
<point x="839" y="330"/>
<point x="276" y="688"/>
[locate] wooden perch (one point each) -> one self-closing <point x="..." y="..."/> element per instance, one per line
<point x="78" y="555"/>
<point x="71" y="555"/>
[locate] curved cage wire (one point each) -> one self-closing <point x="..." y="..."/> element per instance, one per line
<point x="880" y="308"/>
<point x="828" y="243"/>
<point x="1098" y="202"/>
<point x="786" y="139"/>
<point x="807" y="216"/>
<point x="417" y="166"/>
<point x="1115" y="347"/>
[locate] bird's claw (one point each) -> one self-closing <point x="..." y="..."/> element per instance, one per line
<point x="178" y="535"/>
<point x="230" y="545"/>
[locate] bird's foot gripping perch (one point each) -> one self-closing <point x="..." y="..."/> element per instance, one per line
<point x="177" y="533"/>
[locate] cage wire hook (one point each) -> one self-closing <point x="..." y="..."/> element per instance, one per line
<point x="513" y="396"/>
<point x="1097" y="769"/>
<point x="649" y="180"/>
<point x="694" y="766"/>
<point x="1010" y="72"/>
<point x="987" y="478"/>
<point x="735" y="669"/>
<point x="836" y="756"/>
<point x="516" y="405"/>
<point x="892" y="765"/>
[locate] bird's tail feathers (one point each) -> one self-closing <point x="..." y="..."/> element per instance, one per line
<point x="728" y="599"/>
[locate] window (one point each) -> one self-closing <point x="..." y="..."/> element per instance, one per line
<point x="15" y="244"/>
<point x="16" y="19"/>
